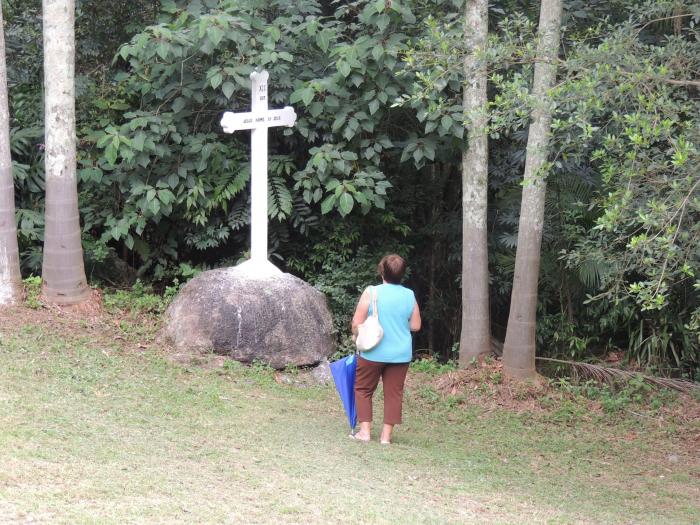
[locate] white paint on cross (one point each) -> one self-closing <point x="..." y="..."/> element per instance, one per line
<point x="259" y="119"/>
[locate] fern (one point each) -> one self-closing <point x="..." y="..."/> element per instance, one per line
<point x="591" y="272"/>
<point x="212" y="237"/>
<point x="508" y="240"/>
<point x="611" y="376"/>
<point x="240" y="214"/>
<point x="21" y="140"/>
<point x="303" y="218"/>
<point x="279" y="199"/>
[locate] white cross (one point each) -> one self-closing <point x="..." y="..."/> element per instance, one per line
<point x="258" y="120"/>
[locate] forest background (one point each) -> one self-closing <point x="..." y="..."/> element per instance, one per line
<point x="374" y="162"/>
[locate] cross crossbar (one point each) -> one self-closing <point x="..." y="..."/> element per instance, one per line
<point x="274" y="117"/>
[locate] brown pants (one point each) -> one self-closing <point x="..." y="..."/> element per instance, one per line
<point x="366" y="380"/>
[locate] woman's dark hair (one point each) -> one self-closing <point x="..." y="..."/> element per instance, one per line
<point x="391" y="268"/>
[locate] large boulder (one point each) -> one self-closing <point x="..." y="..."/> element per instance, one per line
<point x="252" y="312"/>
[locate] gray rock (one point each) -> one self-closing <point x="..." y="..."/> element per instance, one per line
<point x="322" y="373"/>
<point x="251" y="312"/>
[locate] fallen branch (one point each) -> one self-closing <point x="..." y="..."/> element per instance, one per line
<point x="610" y="376"/>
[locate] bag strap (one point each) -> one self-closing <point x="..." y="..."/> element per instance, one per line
<point x="373" y="295"/>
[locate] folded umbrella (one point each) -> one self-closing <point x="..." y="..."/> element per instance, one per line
<point x="343" y="371"/>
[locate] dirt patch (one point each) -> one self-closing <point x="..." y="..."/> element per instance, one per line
<point x="485" y="384"/>
<point x="129" y="331"/>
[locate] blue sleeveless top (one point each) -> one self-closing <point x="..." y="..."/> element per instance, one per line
<point x="395" y="304"/>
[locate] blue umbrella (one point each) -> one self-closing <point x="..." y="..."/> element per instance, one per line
<point x="343" y="371"/>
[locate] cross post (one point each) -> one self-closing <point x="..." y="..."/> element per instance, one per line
<point x="258" y="120"/>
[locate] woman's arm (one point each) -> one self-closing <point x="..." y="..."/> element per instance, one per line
<point x="361" y="311"/>
<point x="414" y="323"/>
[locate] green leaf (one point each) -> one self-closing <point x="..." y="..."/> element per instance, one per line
<point x="343" y="68"/>
<point x="103" y="140"/>
<point x="216" y="80"/>
<point x="307" y="95"/>
<point x="333" y="184"/>
<point x="323" y="39"/>
<point x="383" y="21"/>
<point x="124" y="51"/>
<point x="111" y="154"/>
<point x="154" y="206"/>
<point x="345" y="204"/>
<point x="173" y="180"/>
<point x="138" y="141"/>
<point x="296" y="95"/>
<point x="361" y="198"/>
<point x="228" y="88"/>
<point x="373" y="106"/>
<point x="338" y="122"/>
<point x="327" y="204"/>
<point x="429" y="151"/>
<point x="91" y="174"/>
<point x="316" y="109"/>
<point x="202" y="27"/>
<point x="446" y="122"/>
<point x="274" y="33"/>
<point x="162" y="50"/>
<point x="215" y="34"/>
<point x="377" y="52"/>
<point x="179" y="104"/>
<point x="166" y="196"/>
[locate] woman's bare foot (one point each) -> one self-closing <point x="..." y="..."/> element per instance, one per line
<point x="364" y="434"/>
<point x="385" y="438"/>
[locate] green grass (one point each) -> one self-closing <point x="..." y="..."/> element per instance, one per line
<point x="93" y="431"/>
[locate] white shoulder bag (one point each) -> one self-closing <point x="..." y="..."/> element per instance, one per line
<point x="370" y="332"/>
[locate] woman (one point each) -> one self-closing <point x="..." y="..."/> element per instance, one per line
<point x="399" y="316"/>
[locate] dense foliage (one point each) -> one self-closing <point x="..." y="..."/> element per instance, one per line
<point x="373" y="163"/>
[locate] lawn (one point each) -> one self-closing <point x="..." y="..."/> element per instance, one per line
<point x="98" y="426"/>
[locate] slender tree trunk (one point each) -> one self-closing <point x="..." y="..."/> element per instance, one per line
<point x="476" y="332"/>
<point x="10" y="277"/>
<point x="63" y="270"/>
<point x="519" y="347"/>
<point x="433" y="260"/>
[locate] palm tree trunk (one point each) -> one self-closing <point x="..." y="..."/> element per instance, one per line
<point x="475" y="335"/>
<point x="63" y="270"/>
<point x="10" y="277"/>
<point x="519" y="347"/>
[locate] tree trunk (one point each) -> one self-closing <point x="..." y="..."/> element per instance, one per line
<point x="476" y="332"/>
<point x="519" y="347"/>
<point x="10" y="277"/>
<point x="63" y="270"/>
